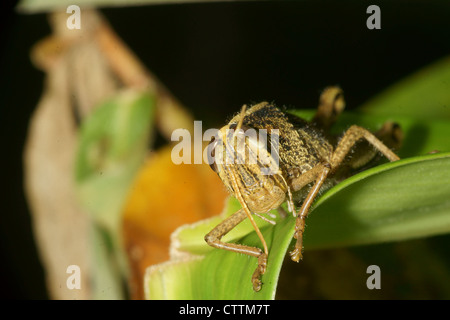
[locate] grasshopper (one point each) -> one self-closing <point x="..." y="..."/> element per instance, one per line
<point x="309" y="160"/>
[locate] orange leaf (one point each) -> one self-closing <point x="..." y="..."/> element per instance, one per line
<point x="163" y="197"/>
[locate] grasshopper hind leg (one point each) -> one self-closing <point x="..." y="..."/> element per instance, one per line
<point x="331" y="105"/>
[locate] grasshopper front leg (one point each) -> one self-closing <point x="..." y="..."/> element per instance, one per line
<point x="214" y="236"/>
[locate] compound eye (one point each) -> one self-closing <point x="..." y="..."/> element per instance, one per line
<point x="244" y="128"/>
<point x="212" y="153"/>
<point x="242" y="131"/>
<point x="245" y="132"/>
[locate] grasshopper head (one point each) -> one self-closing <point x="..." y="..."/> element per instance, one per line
<point x="241" y="158"/>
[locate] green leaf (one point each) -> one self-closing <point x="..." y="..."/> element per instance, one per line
<point x="162" y="279"/>
<point x="211" y="277"/>
<point x="113" y="143"/>
<point x="401" y="200"/>
<point x="395" y="201"/>
<point x="425" y="95"/>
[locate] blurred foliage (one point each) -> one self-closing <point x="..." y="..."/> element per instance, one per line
<point x="113" y="144"/>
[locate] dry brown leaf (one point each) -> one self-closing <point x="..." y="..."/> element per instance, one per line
<point x="60" y="225"/>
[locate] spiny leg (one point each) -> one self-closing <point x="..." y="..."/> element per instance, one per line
<point x="322" y="172"/>
<point x="390" y="134"/>
<point x="297" y="184"/>
<point x="262" y="257"/>
<point x="214" y="236"/>
<point x="289" y="201"/>
<point x="351" y="137"/>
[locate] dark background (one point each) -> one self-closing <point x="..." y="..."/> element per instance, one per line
<point x="214" y="58"/>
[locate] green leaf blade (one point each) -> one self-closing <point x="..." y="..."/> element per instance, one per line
<point x="113" y="143"/>
<point x="423" y="95"/>
<point x="397" y="201"/>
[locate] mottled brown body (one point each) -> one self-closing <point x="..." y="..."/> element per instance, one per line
<point x="301" y="146"/>
<point x="308" y="158"/>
